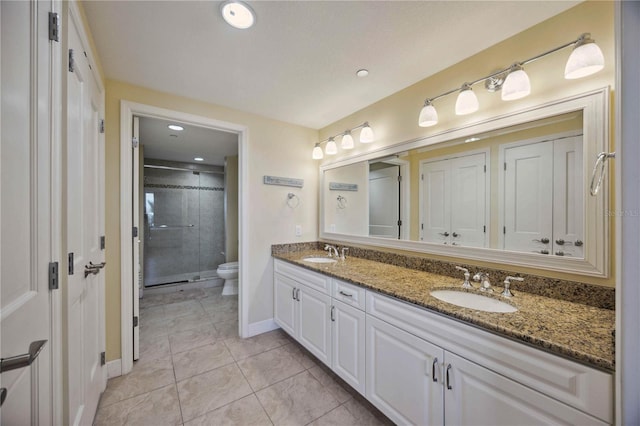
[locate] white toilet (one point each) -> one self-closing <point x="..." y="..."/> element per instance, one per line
<point x="229" y="273"/>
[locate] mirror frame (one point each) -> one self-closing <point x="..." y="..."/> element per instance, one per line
<point x="595" y="108"/>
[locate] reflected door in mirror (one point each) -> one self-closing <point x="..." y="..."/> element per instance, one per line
<point x="384" y="202"/>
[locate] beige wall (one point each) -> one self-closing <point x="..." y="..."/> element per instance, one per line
<point x="352" y="215"/>
<point x="394" y="119"/>
<point x="270" y="220"/>
<point x="231" y="208"/>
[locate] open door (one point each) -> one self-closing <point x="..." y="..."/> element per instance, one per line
<point x="135" y="152"/>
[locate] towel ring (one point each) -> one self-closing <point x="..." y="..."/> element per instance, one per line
<point x="342" y="202"/>
<point x="293" y="200"/>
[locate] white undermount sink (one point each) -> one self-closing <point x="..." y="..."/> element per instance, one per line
<point x="319" y="260"/>
<point x="473" y="301"/>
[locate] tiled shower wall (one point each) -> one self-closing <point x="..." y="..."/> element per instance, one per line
<point x="184" y="224"/>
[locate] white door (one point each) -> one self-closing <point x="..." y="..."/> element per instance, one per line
<point x="85" y="207"/>
<point x="568" y="198"/>
<point x="384" y="202"/>
<point x="468" y="200"/>
<point x="403" y="375"/>
<point x="314" y="322"/>
<point x="348" y="336"/>
<point x="475" y="395"/>
<point x="436" y="202"/>
<point x="284" y="302"/>
<point x="135" y="218"/>
<point x="528" y="198"/>
<point x="28" y="226"/>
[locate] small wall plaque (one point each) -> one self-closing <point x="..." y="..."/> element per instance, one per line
<point x="283" y="181"/>
<point x="336" y="186"/>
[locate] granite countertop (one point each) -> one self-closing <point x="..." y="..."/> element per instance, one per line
<point x="580" y="332"/>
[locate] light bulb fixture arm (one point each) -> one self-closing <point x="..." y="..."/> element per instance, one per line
<point x="584" y="38"/>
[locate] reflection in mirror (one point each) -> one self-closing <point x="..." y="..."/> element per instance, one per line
<point x="519" y="188"/>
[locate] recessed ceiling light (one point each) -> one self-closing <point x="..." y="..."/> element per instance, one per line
<point x="175" y="127"/>
<point x="238" y="14"/>
<point x="198" y="159"/>
<point x="362" y="72"/>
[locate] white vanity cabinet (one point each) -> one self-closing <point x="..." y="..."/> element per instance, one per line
<point x="302" y="307"/>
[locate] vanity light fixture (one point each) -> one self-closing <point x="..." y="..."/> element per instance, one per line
<point x="238" y="14"/>
<point x="586" y="58"/>
<point x="366" y="136"/>
<point x="175" y="127"/>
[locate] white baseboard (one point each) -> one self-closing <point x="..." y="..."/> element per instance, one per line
<point x="114" y="368"/>
<point x="262" y="327"/>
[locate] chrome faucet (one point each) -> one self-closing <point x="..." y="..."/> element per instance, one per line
<point x="334" y="248"/>
<point x="344" y="256"/>
<point x="483" y="279"/>
<point x="466" y="283"/>
<point x="507" y="285"/>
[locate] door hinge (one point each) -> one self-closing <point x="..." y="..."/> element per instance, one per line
<point x="399" y="223"/>
<point x="134" y="142"/>
<point x="504" y="229"/>
<point x="485" y="168"/>
<point x="399" y="178"/>
<point x="72" y="63"/>
<point x="135" y="321"/>
<point x="505" y="166"/>
<point x="422" y="226"/>
<point x="484" y="229"/>
<point x="103" y="242"/>
<point x="101" y="126"/>
<point x="70" y="263"/>
<point x="54" y="26"/>
<point x="135" y="231"/>
<point x="103" y="358"/>
<point x="422" y="177"/>
<point x="53" y="276"/>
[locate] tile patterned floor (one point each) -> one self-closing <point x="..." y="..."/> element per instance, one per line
<point x="195" y="370"/>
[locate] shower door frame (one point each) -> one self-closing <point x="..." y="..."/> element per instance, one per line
<point x="127" y="280"/>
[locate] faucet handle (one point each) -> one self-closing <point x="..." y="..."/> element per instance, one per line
<point x="466" y="283"/>
<point x="507" y="284"/>
<point x="344" y="256"/>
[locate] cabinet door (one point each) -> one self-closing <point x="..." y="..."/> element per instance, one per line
<point x="528" y="197"/>
<point x="478" y="396"/>
<point x="284" y="304"/>
<point x="436" y="202"/>
<point x="403" y="378"/>
<point x="314" y="323"/>
<point x="349" y="345"/>
<point x="468" y="200"/>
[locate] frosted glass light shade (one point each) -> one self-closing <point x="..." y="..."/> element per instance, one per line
<point x="585" y="59"/>
<point x="467" y="102"/>
<point x="366" y="134"/>
<point x="238" y="14"/>
<point x="317" y="152"/>
<point x="347" y="141"/>
<point x="331" y="148"/>
<point x="516" y="85"/>
<point x="428" y="116"/>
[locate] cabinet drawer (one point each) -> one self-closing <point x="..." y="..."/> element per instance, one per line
<point x="577" y="385"/>
<point x="312" y="279"/>
<point x="350" y="294"/>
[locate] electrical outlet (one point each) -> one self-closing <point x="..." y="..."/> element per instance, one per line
<point x="298" y="230"/>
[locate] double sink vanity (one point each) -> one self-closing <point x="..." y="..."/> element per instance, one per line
<point x="399" y="336"/>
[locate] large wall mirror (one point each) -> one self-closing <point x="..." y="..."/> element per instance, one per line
<point x="513" y="189"/>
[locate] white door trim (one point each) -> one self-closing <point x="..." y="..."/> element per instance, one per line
<point x="127" y="110"/>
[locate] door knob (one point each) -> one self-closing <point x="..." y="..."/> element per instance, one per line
<point x="446" y="234"/>
<point x="24" y="360"/>
<point x="543" y="240"/>
<point x="91" y="269"/>
<point x="455" y="235"/>
<point x="97" y="265"/>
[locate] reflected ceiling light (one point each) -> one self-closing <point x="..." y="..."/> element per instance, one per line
<point x="428" y="115"/>
<point x="175" y="127"/>
<point x="366" y="134"/>
<point x="585" y="59"/>
<point x="516" y="85"/>
<point x="317" y="152"/>
<point x="198" y="159"/>
<point x="467" y="101"/>
<point x="238" y="14"/>
<point x="362" y="72"/>
<point x="347" y="140"/>
<point x="471" y="139"/>
<point x="331" y="148"/>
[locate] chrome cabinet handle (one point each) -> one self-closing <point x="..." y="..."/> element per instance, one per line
<point x="345" y="294"/>
<point x="543" y="240"/>
<point x="446" y="234"/>
<point x="455" y="235"/>
<point x="24" y="360"/>
<point x="293" y="293"/>
<point x="562" y="253"/>
<point x="578" y="243"/>
<point x="433" y="369"/>
<point x="333" y="316"/>
<point x="448" y="381"/>
<point x="298" y="294"/>
<point x="544" y="251"/>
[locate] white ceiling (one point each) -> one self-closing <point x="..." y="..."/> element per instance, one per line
<point x="298" y="63"/>
<point x="193" y="141"/>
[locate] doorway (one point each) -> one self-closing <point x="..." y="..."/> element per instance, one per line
<point x="133" y="221"/>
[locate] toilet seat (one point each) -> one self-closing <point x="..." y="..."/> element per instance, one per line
<point x="228" y="266"/>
